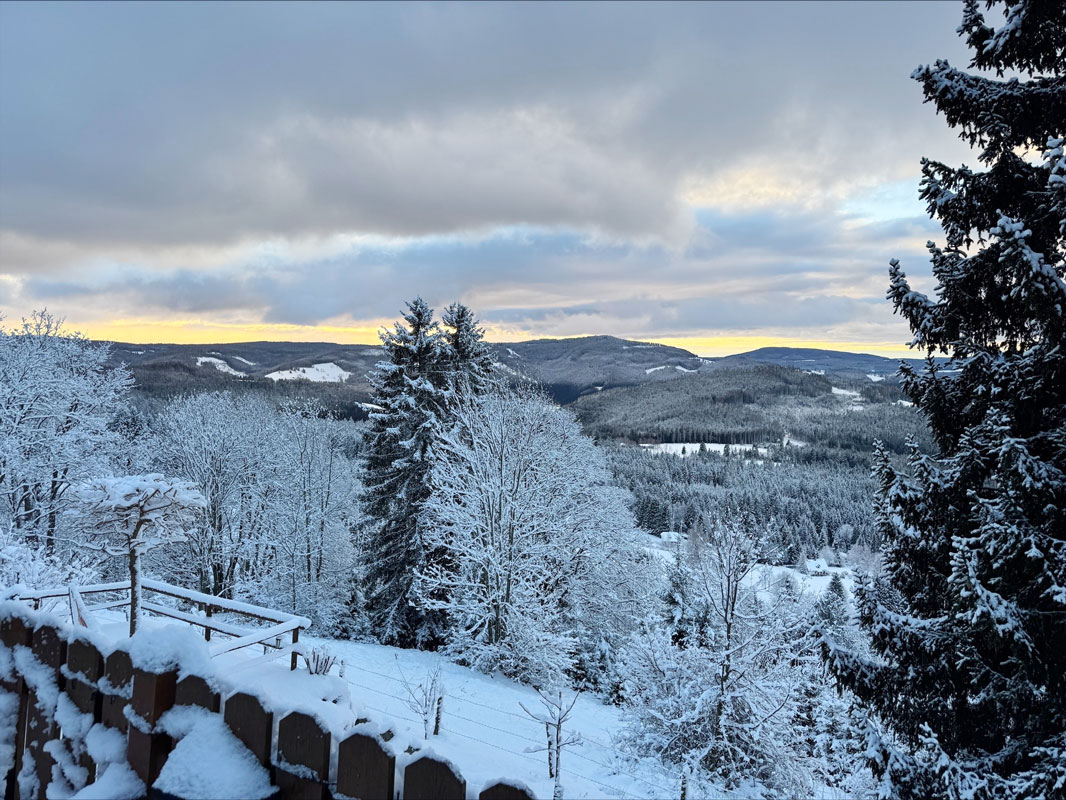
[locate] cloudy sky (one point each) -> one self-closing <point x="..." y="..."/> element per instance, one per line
<point x="719" y="176"/>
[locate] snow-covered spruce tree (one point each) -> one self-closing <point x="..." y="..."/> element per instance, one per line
<point x="135" y="513"/>
<point x="410" y="388"/>
<point x="968" y="676"/>
<point x="469" y="358"/>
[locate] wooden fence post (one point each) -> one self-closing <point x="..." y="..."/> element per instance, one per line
<point x="430" y="779"/>
<point x="50" y="651"/>
<point x="118" y="674"/>
<point x="14" y="632"/>
<point x="250" y="723"/>
<point x="302" y="769"/>
<point x="505" y="791"/>
<point x="295" y="640"/>
<point x="365" y="768"/>
<point x="85" y="665"/>
<point x="153" y="696"/>
<point x="192" y="690"/>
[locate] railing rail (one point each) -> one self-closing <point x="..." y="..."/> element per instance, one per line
<point x="284" y="625"/>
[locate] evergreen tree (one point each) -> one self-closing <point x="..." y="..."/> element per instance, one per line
<point x="410" y="387"/>
<point x="469" y="357"/>
<point x="968" y="676"/>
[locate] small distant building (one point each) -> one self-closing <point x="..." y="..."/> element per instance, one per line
<point x="817" y="566"/>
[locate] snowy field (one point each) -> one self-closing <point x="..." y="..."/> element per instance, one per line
<point x="220" y="365"/>
<point x="484" y="730"/>
<point x="316" y="373"/>
<point x="693" y="448"/>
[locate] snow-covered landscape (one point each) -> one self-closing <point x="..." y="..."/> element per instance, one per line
<point x="513" y="401"/>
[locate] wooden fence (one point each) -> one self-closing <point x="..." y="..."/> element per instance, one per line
<point x="48" y="667"/>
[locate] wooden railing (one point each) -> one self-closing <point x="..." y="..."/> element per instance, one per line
<point x="283" y="625"/>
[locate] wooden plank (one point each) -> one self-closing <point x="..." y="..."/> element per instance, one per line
<point x="430" y="779"/>
<point x="365" y="769"/>
<point x="258" y="637"/>
<point x="302" y="741"/>
<point x="195" y="619"/>
<point x="79" y="615"/>
<point x="118" y="670"/>
<point x="303" y="758"/>
<point x="222" y="604"/>
<point x="147" y="753"/>
<point x="505" y="791"/>
<point x="250" y="723"/>
<point x="153" y="694"/>
<point x="50" y="648"/>
<point x="192" y="690"/>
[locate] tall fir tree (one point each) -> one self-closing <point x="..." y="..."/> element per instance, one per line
<point x="425" y="370"/>
<point x="410" y="387"/>
<point x="968" y="674"/>
<point x="470" y="358"/>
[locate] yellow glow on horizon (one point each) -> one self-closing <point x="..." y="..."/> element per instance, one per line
<point x="199" y="331"/>
<point x="138" y="331"/>
<point x="711" y="346"/>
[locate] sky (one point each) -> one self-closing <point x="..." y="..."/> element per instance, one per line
<point x="718" y="176"/>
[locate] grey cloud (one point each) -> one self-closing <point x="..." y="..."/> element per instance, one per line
<point x="197" y="123"/>
<point x="547" y="282"/>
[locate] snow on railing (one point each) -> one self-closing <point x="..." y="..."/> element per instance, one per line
<point x="285" y="625"/>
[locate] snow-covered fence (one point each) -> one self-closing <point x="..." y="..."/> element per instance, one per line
<point x="151" y="718"/>
<point x="282" y="626"/>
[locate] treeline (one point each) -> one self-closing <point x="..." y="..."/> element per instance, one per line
<point x="806" y="504"/>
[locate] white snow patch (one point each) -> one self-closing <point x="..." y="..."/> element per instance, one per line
<point x="844" y="392"/>
<point x="682" y="369"/>
<point x="905" y="403"/>
<point x="316" y="373"/>
<point x="243" y="361"/>
<point x="220" y="365"/>
<point x="208" y="761"/>
<point x="692" y="448"/>
<point x="814" y="371"/>
<point x="874" y="377"/>
<point x="9" y="703"/>
<point x="650" y="370"/>
<point x="118" y="781"/>
<point x="512" y="353"/>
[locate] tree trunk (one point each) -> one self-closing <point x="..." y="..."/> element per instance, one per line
<point x="135" y="589"/>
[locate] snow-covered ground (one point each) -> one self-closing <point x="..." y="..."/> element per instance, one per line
<point x="874" y="377"/>
<point x="220" y="365"/>
<point x="484" y="730"/>
<point x="317" y="373"/>
<point x="855" y="397"/>
<point x="692" y="448"/>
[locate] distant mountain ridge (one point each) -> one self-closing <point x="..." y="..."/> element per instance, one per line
<point x="567" y="368"/>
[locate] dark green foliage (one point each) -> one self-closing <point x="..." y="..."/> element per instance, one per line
<point x="969" y="673"/>
<point x="410" y="386"/>
<point x="424" y="371"/>
<point x="811" y="502"/>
